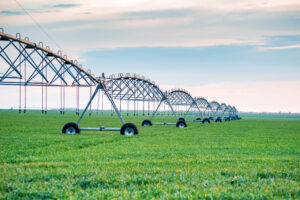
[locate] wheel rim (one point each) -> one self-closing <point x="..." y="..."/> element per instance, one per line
<point x="146" y="124"/>
<point x="129" y="131"/>
<point x="71" y="130"/>
<point x="181" y="125"/>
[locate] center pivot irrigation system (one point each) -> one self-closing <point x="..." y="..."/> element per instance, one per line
<point x="24" y="63"/>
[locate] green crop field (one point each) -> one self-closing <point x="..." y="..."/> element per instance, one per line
<point x="253" y="158"/>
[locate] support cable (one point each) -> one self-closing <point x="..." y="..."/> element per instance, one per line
<point x="37" y="24"/>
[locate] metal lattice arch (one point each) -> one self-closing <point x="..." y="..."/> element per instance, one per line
<point x="133" y="88"/>
<point x="183" y="100"/>
<point x="203" y="105"/>
<point x="216" y="108"/>
<point x="24" y="63"/>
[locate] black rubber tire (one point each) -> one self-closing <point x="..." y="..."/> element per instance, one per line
<point x="181" y="119"/>
<point x="129" y="125"/>
<point x="219" y="120"/>
<point x="199" y="119"/>
<point x="180" y="122"/>
<point x="205" y="121"/>
<point x="70" y="125"/>
<point x="146" y="122"/>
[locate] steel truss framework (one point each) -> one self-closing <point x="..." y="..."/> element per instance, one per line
<point x="137" y="88"/>
<point x="29" y="64"/>
<point x="181" y="103"/>
<point x="185" y="103"/>
<point x="133" y="88"/>
<point x="204" y="106"/>
<point x="216" y="109"/>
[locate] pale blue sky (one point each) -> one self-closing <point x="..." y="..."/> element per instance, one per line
<point x="191" y="44"/>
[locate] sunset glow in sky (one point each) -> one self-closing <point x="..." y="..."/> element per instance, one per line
<point x="245" y="53"/>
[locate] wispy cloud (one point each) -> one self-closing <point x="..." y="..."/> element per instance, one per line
<point x="11" y="12"/>
<point x="279" y="47"/>
<point x="66" y="5"/>
<point x="168" y="13"/>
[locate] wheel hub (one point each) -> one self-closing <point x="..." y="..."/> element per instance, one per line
<point x="129" y="131"/>
<point x="181" y="125"/>
<point x="71" y="130"/>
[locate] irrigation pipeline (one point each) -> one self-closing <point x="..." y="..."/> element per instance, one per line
<point x="35" y="65"/>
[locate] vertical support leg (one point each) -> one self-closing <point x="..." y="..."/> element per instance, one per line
<point x="156" y="110"/>
<point x="174" y="113"/>
<point x="98" y="102"/>
<point x="112" y="103"/>
<point x="186" y="113"/>
<point x="87" y="106"/>
<point x="91" y="102"/>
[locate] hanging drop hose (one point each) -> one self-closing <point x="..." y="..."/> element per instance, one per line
<point x="137" y="108"/>
<point x="42" y="64"/>
<point x="91" y="102"/>
<point x="42" y="90"/>
<point x="148" y="107"/>
<point x="98" y="102"/>
<point x="25" y="95"/>
<point x="20" y="88"/>
<point x="127" y="107"/>
<point x="153" y="107"/>
<point x="77" y="100"/>
<point x="144" y="106"/>
<point x="102" y="101"/>
<point x="61" y="93"/>
<point x="46" y="103"/>
<point x="120" y="105"/>
<point x="64" y="99"/>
